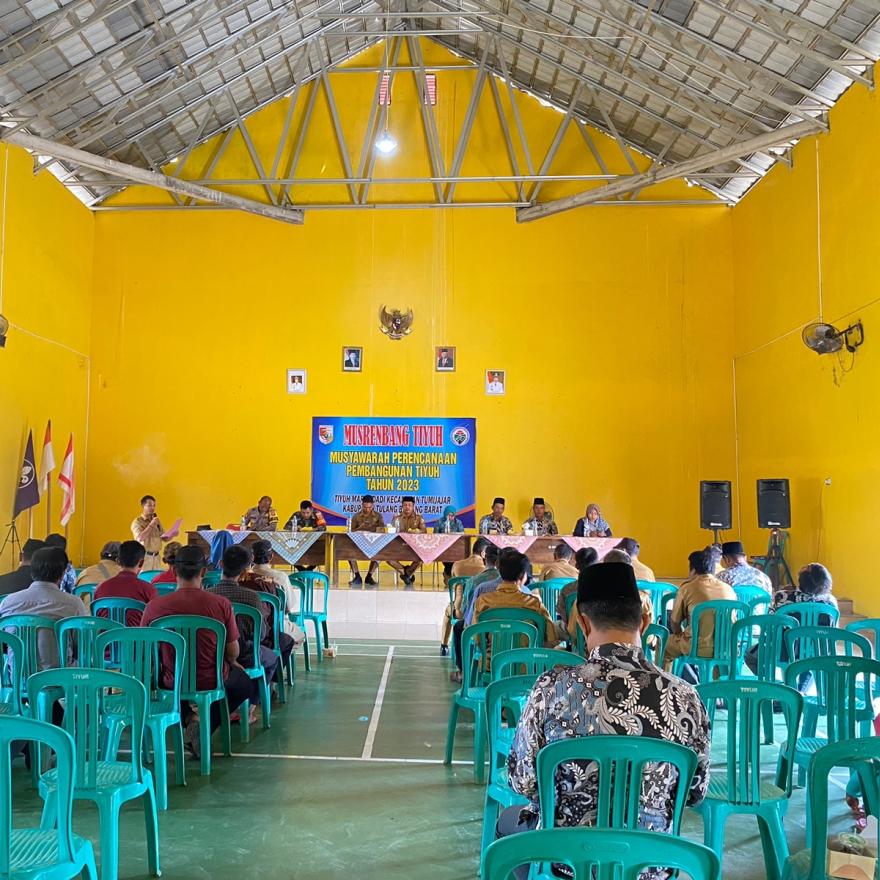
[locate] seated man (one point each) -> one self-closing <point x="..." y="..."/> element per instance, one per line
<point x="584" y="558"/>
<point x="617" y="691"/>
<point x="736" y="571"/>
<point x="367" y="519"/>
<point x="44" y="597"/>
<point x="540" y="522"/>
<point x="409" y="521"/>
<point x="127" y="584"/>
<point x="496" y="523"/>
<point x="469" y="567"/>
<point x="21" y="577"/>
<point x="486" y="581"/>
<point x="262" y="518"/>
<point x="307" y="518"/>
<point x="562" y="566"/>
<point x="631" y="546"/>
<point x="68" y="582"/>
<point x="190" y="598"/>
<point x="169" y="554"/>
<point x="701" y="586"/>
<point x="103" y="570"/>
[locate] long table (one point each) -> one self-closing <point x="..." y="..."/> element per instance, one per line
<point x="319" y="553"/>
<point x="541" y="550"/>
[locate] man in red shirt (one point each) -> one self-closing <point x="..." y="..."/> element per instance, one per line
<point x="127" y="584"/>
<point x="190" y="598"/>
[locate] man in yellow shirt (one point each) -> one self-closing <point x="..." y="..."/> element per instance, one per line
<point x="701" y="586"/>
<point x="562" y="566"/>
<point x="147" y="530"/>
<point x="513" y="567"/>
<point x="408" y="521"/>
<point x="470" y="567"/>
<point x="631" y="546"/>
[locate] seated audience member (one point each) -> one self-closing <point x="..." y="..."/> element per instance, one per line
<point x="584" y="558"/>
<point x="617" y="691"/>
<point x="21" y="577"/>
<point x="103" y="570"/>
<point x="514" y="569"/>
<point x="190" y="598"/>
<point x="469" y="567"/>
<point x="631" y="546"/>
<point x="68" y="582"/>
<point x="562" y="566"/>
<point x="715" y="552"/>
<point x="169" y="576"/>
<point x="262" y="568"/>
<point x="592" y="524"/>
<point x="486" y="581"/>
<point x="736" y="571"/>
<point x="127" y="584"/>
<point x="45" y="598"/>
<point x="701" y="586"/>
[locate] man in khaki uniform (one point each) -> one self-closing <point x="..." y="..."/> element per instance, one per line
<point x="409" y="521"/>
<point x="367" y="519"/>
<point x="701" y="586"/>
<point x="562" y="566"/>
<point x="472" y="566"/>
<point x="102" y="571"/>
<point x="631" y="546"/>
<point x="147" y="530"/>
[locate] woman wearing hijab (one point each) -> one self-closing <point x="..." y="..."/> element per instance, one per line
<point x="448" y="524"/>
<point x="593" y="525"/>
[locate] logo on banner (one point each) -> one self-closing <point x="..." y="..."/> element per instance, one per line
<point x="325" y="434"/>
<point x="460" y="436"/>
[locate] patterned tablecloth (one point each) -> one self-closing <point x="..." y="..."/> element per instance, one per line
<point x="429" y="547"/>
<point x="290" y="546"/>
<point x="600" y="545"/>
<point x="518" y="542"/>
<point x="235" y="537"/>
<point x="371" y="543"/>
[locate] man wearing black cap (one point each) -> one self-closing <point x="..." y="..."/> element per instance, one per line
<point x="617" y="691"/>
<point x="736" y="571"/>
<point x="408" y="521"/>
<point x="21" y="577"/>
<point x="496" y="523"/>
<point x="367" y="519"/>
<point x="541" y="523"/>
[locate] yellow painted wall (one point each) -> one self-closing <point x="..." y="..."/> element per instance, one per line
<point x="46" y="251"/>
<point x="805" y="244"/>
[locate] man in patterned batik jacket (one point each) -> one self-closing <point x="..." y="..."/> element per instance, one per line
<point x="617" y="691"/>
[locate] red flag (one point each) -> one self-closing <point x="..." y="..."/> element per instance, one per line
<point x="47" y="462"/>
<point x="27" y="495"/>
<point x="65" y="480"/>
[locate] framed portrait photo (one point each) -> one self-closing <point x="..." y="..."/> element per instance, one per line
<point x="296" y="381"/>
<point x="444" y="358"/>
<point x="352" y="359"/>
<point x="496" y="381"/>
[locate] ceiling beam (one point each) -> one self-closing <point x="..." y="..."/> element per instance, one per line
<point x="152" y="178"/>
<point x="657" y="174"/>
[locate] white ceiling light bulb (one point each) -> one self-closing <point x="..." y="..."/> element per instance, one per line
<point x="386" y="144"/>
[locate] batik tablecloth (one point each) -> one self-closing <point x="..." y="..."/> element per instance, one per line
<point x="518" y="542"/>
<point x="428" y="547"/>
<point x="371" y="543"/>
<point x="600" y="545"/>
<point x="290" y="546"/>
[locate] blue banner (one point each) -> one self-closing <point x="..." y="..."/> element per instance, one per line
<point x="431" y="459"/>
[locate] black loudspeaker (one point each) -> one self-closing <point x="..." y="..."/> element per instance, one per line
<point x="774" y="504"/>
<point x="715" y="504"/>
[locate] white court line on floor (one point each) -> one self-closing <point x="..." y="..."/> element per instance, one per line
<point x="413" y="647"/>
<point x="377" y="706"/>
<point x="396" y="656"/>
<point x="357" y="760"/>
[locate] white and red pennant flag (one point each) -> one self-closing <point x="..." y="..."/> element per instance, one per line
<point x="66" y="481"/>
<point x="47" y="462"/>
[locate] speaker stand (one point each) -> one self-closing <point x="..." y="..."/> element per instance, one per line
<point x="775" y="566"/>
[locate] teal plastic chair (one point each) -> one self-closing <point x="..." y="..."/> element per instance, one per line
<point x="211" y="578"/>
<point x="870" y="628"/>
<point x="165" y="589"/>
<point x="654" y="640"/>
<point x="149" y="575"/>
<point x="53" y="851"/>
<point x="549" y="591"/>
<point x="138" y="649"/>
<point x="505" y="698"/>
<point x="276" y="602"/>
<point x="535" y="618"/>
<point x="451" y="586"/>
<point x="813" y="613"/>
<point x="189" y="626"/>
<point x="662" y="595"/>
<point x="11" y="659"/>
<point x="620" y="764"/>
<point x="530" y="661"/>
<point x="77" y="638"/>
<point x="741" y="788"/>
<point x="84" y="591"/>
<point x="768" y="632"/>
<point x="757" y="598"/>
<point x="256" y="671"/>
<point x="126" y="612"/>
<point x="725" y="612"/>
<point x="600" y="854"/>
<point x="306" y="582"/>
<point x="505" y="634"/>
<point x="862" y="758"/>
<point x="841" y="685"/>
<point x="109" y="784"/>
<point x="805" y="642"/>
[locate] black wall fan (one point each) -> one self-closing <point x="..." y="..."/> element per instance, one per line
<point x="826" y="338"/>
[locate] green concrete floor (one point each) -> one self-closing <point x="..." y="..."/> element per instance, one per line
<point x="301" y="801"/>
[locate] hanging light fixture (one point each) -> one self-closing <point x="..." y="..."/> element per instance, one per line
<point x="386" y="144"/>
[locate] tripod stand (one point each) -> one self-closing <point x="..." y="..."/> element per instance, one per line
<point x="13" y="541"/>
<point x="775" y="566"/>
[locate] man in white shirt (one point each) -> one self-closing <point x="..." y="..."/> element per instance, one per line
<point x="262" y="551"/>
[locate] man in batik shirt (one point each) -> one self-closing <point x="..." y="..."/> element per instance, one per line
<point x="736" y="571"/>
<point x="617" y="691"/>
<point x="540" y="523"/>
<point x="496" y="523"/>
